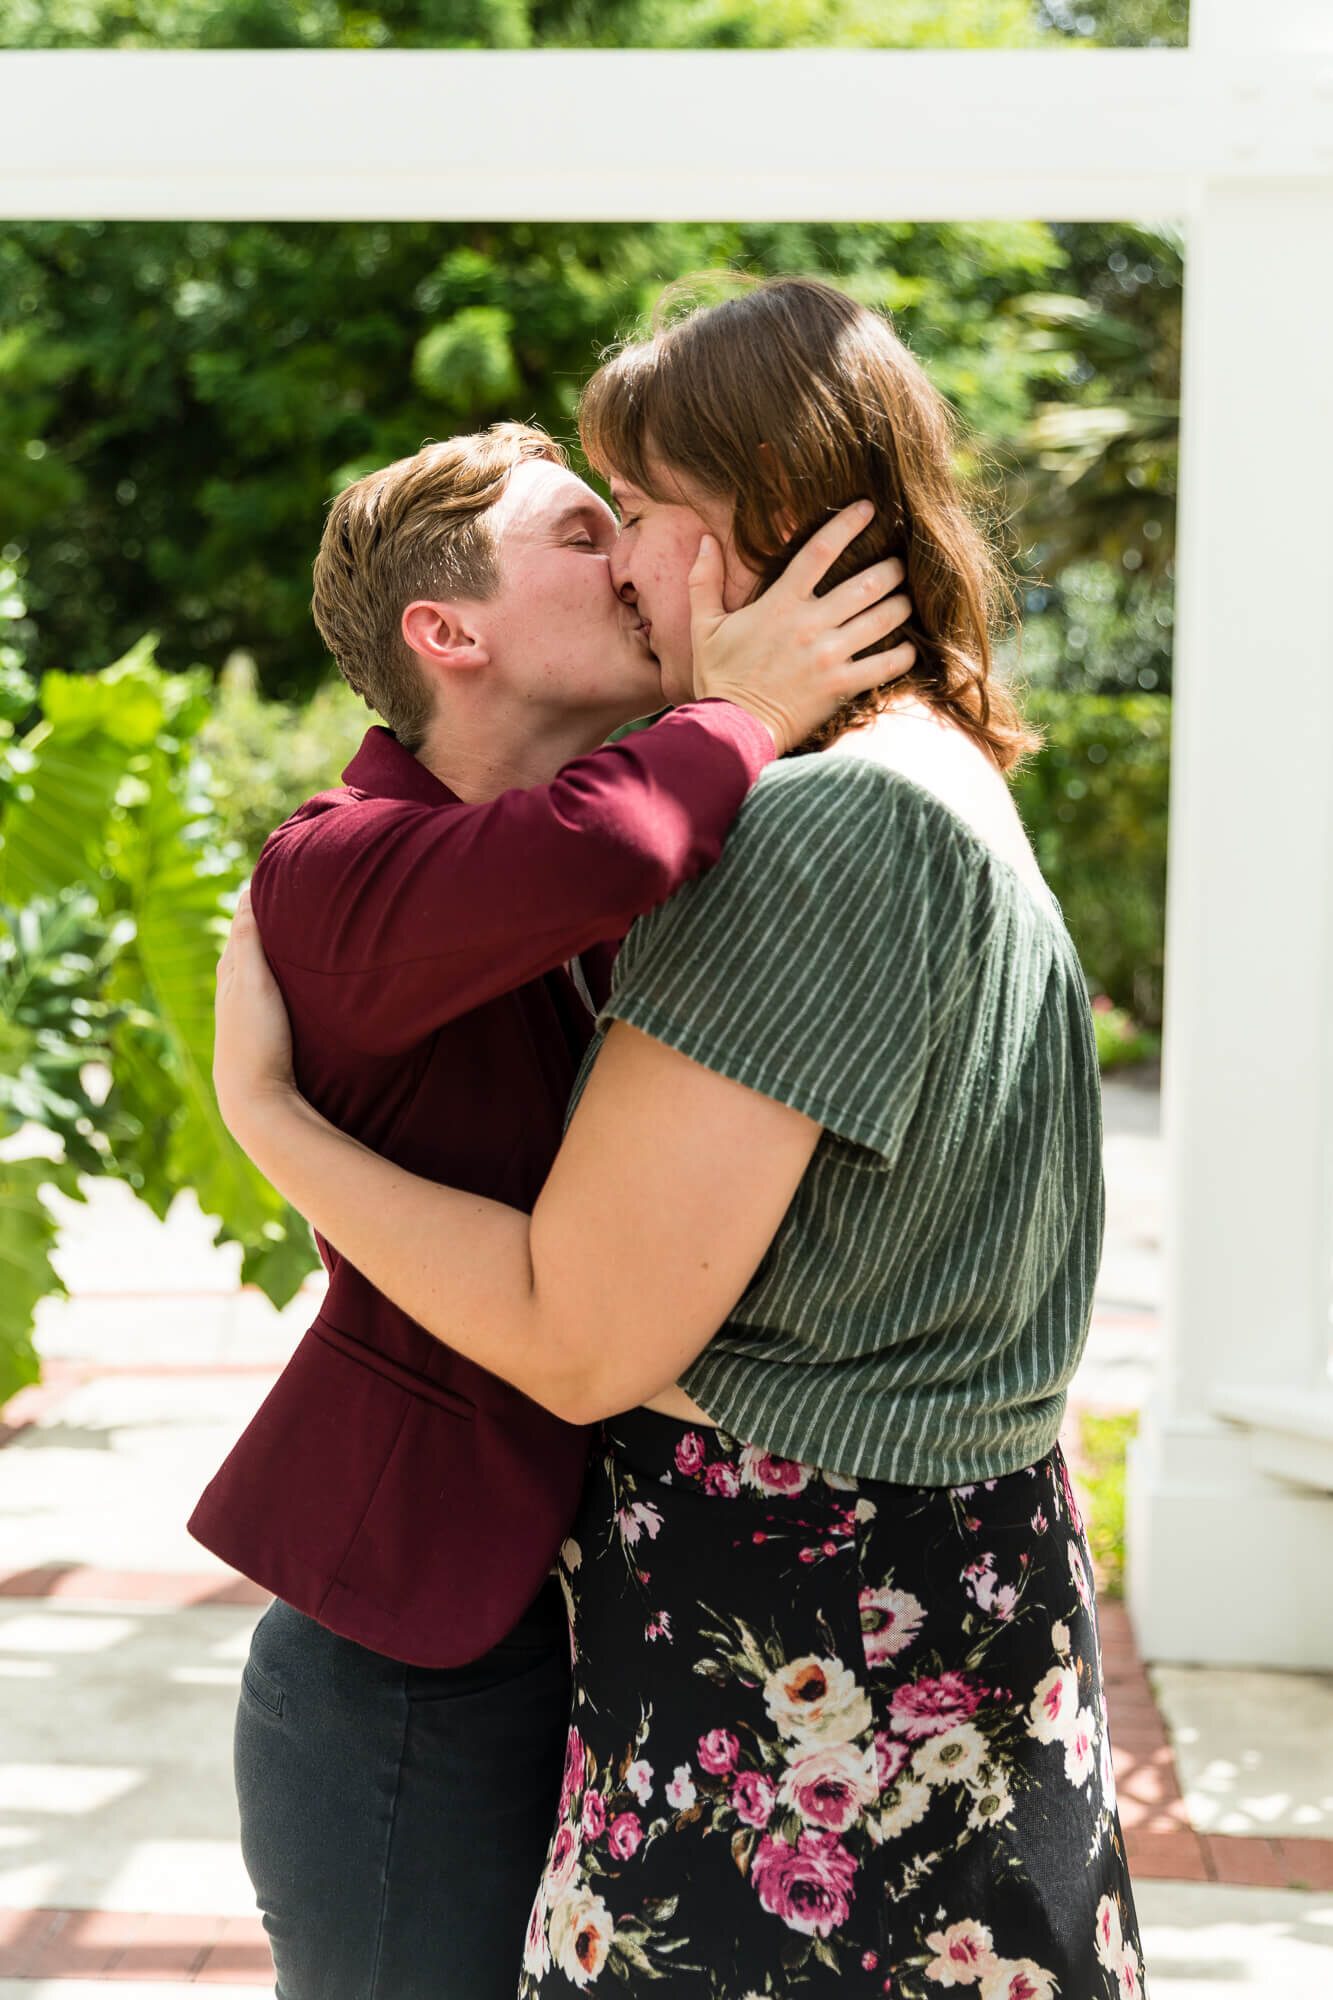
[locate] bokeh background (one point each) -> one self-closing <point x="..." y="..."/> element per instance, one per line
<point x="179" y="402"/>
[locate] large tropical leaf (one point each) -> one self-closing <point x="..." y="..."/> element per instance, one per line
<point x="27" y="1275"/>
<point x="178" y="895"/>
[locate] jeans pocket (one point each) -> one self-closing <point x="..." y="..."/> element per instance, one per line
<point x="257" y="1684"/>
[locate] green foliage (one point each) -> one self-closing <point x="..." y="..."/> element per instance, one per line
<point x="266" y="757"/>
<point x="1121" y="1042"/>
<point x="1103" y="1449"/>
<point x="114" y="894"/>
<point x="1094" y="802"/>
<point x="516" y="24"/>
<point x="221" y="381"/>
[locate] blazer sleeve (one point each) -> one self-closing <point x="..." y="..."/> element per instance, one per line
<point x="392" y="917"/>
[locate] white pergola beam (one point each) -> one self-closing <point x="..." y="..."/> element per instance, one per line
<point x="642" y="135"/>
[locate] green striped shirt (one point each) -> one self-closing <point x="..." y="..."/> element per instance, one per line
<point x="860" y="954"/>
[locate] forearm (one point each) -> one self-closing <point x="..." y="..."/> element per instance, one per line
<point x="393" y="1225"/>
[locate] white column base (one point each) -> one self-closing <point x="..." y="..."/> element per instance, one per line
<point x="1226" y="1565"/>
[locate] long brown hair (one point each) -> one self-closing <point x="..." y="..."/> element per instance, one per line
<point x="794" y="400"/>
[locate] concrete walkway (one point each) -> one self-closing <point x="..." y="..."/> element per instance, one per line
<point x="121" y="1643"/>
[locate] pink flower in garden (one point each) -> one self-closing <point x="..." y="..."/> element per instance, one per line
<point x="962" y="1954"/>
<point x="690" y="1454"/>
<point x="753" y="1798"/>
<point x="807" y="1883"/>
<point x="718" y="1752"/>
<point x="722" y="1481"/>
<point x="829" y="1787"/>
<point x="890" y="1757"/>
<point x="625" y="1835"/>
<point x="890" y="1620"/>
<point x="768" y="1474"/>
<point x="594" y="1815"/>
<point x="639" y="1780"/>
<point x="930" y="1706"/>
<point x="573" y="1780"/>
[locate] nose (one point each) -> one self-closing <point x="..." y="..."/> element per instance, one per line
<point x="621" y="580"/>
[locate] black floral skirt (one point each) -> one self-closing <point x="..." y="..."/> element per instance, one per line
<point x="829" y="1737"/>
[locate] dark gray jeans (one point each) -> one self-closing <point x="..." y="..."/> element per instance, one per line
<point x="394" y="1819"/>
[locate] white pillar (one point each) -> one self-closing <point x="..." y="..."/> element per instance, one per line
<point x="1229" y="1560"/>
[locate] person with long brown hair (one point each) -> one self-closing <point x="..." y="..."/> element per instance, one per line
<point x="818" y="1252"/>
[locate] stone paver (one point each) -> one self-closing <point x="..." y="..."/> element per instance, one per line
<point x="1248" y="1749"/>
<point x="1206" y="1942"/>
<point x="122" y="1642"/>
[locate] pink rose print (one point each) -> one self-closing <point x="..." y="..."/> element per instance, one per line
<point x="680" y="1792"/>
<point x="963" y="1954"/>
<point x="930" y="1706"/>
<point x="1080" y="1576"/>
<point x="986" y="1590"/>
<point x="890" y="1620"/>
<point x="564" y="1860"/>
<point x="890" y="1757"/>
<point x="722" y="1481"/>
<point x="690" y="1454"/>
<point x="1016" y="1979"/>
<point x="633" y="1521"/>
<point x="1079" y="1753"/>
<point x="829" y="1787"/>
<point x="1070" y="1502"/>
<point x="768" y="1474"/>
<point x="808" y="1884"/>
<point x="753" y="1798"/>
<point x="639" y="1780"/>
<point x="594" y="1815"/>
<point x="658" y="1627"/>
<point x="718" y="1752"/>
<point x="625" y="1835"/>
<point x="573" y="1781"/>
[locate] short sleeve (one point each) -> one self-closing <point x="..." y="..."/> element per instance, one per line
<point x="811" y="964"/>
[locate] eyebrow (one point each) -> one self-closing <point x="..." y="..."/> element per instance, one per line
<point x="578" y="510"/>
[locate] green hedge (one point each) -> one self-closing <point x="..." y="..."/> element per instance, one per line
<point x="1094" y="801"/>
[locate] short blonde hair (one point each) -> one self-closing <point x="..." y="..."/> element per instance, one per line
<point x="416" y="528"/>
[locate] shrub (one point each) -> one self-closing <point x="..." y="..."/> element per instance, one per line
<point x="1094" y="801"/>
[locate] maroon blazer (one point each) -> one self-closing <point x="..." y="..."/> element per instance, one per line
<point x="399" y="1494"/>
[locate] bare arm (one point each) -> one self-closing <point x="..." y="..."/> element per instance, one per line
<point x="668" y="1189"/>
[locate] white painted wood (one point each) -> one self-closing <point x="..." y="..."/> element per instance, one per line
<point x="606" y="134"/>
<point x="1235" y="134"/>
<point x="1222" y="1487"/>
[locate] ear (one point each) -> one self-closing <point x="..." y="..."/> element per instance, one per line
<point x="444" y="635"/>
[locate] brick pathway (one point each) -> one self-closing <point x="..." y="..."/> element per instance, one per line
<point x="204" y="1949"/>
